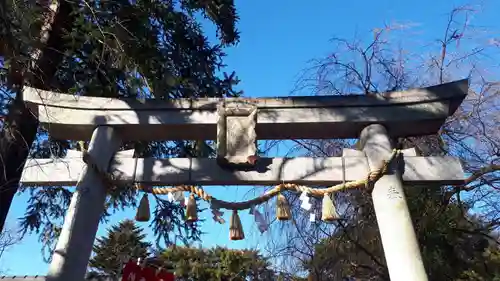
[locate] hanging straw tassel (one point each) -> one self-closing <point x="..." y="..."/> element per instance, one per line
<point x="329" y="212"/>
<point x="191" y="209"/>
<point x="283" y="212"/>
<point x="143" y="214"/>
<point x="235" y="228"/>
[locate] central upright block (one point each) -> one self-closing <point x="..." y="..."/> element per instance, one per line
<point x="236" y="136"/>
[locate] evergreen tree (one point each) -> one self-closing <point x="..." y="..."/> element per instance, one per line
<point x="115" y="48"/>
<point x="218" y="263"/>
<point x="123" y="241"/>
<point x="126" y="240"/>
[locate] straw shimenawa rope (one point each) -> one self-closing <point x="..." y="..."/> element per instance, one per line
<point x="371" y="178"/>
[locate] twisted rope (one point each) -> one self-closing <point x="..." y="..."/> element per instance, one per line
<point x="106" y="177"/>
<point x="371" y="178"/>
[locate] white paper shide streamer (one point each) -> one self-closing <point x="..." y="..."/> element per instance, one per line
<point x="306" y="205"/>
<point x="260" y="220"/>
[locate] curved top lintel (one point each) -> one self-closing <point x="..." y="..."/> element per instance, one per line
<point x="404" y="113"/>
<point x="456" y="90"/>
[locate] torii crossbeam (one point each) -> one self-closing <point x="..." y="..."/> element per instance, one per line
<point x="408" y="113"/>
<point x="321" y="171"/>
<point x="237" y="124"/>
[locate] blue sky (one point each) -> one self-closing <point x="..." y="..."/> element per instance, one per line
<point x="278" y="38"/>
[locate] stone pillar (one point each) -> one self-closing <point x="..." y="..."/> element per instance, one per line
<point x="399" y="241"/>
<point x="74" y="246"/>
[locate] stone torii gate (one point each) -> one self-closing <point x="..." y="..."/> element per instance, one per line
<point x="236" y="124"/>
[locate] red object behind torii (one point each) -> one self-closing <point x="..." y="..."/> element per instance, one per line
<point x="134" y="272"/>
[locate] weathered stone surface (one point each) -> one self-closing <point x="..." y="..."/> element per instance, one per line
<point x="399" y="241"/>
<point x="236" y="136"/>
<point x="407" y="113"/>
<point x="74" y="245"/>
<point x="176" y="171"/>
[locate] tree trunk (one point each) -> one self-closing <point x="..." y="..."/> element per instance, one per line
<point x="21" y="124"/>
<point x="18" y="134"/>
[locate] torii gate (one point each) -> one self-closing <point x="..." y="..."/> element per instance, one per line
<point x="236" y="124"/>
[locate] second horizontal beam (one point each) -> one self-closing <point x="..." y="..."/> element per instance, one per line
<point x="270" y="171"/>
